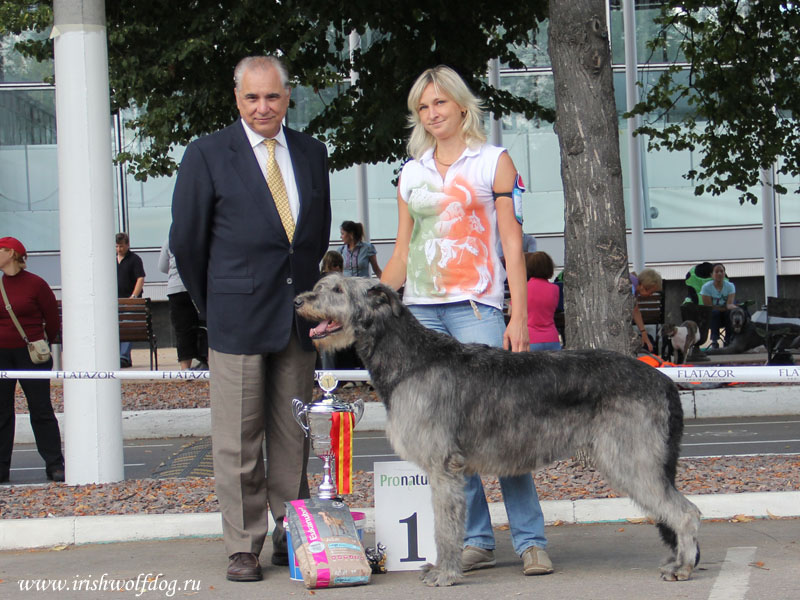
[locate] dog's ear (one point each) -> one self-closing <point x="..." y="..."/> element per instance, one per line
<point x="380" y="295"/>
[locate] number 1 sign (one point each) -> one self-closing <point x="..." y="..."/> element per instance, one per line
<point x="404" y="515"/>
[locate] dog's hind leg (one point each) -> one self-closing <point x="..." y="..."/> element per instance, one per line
<point x="449" y="512"/>
<point x="647" y="474"/>
<point x="677" y="519"/>
<point x="678" y="522"/>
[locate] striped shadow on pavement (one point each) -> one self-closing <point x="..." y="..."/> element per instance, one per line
<point x="193" y="460"/>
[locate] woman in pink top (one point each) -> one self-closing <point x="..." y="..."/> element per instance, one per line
<point x="542" y="302"/>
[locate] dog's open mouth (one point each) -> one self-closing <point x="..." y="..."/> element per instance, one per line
<point x="324" y="329"/>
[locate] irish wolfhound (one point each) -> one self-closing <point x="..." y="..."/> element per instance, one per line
<point x="456" y="409"/>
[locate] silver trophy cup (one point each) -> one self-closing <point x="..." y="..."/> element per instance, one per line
<point x="316" y="420"/>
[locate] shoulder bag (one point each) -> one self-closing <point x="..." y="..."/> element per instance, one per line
<point x="38" y="350"/>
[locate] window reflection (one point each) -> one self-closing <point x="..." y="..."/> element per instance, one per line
<point x="29" y="167"/>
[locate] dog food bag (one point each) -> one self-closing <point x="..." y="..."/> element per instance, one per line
<point x="326" y="544"/>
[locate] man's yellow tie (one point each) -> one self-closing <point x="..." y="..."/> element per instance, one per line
<point x="278" y="190"/>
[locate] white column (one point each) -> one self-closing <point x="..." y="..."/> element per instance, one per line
<point x="495" y="125"/>
<point x="768" y="224"/>
<point x="93" y="414"/>
<point x="362" y="194"/>
<point x="634" y="153"/>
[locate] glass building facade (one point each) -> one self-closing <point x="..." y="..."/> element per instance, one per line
<point x="29" y="182"/>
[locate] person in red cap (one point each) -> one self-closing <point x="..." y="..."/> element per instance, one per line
<point x="34" y="305"/>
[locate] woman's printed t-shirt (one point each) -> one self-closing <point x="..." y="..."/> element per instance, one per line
<point x="453" y="254"/>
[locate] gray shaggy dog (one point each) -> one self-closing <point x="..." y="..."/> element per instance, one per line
<point x="456" y="409"/>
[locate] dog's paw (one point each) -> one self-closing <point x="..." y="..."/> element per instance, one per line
<point x="437" y="577"/>
<point x="672" y="573"/>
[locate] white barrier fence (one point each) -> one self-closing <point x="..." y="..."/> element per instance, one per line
<point x="716" y="374"/>
<point x="341" y="375"/>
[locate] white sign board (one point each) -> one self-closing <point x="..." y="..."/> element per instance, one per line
<point x="404" y="515"/>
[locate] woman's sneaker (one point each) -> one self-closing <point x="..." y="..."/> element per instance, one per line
<point x="473" y="558"/>
<point x="536" y="562"/>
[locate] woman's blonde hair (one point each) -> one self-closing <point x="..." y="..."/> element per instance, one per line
<point x="446" y="81"/>
<point x="650" y="279"/>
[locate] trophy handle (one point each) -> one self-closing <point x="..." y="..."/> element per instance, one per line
<point x="358" y="411"/>
<point x="299" y="411"/>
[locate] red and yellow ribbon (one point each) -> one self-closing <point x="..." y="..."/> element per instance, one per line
<point x="342" y="442"/>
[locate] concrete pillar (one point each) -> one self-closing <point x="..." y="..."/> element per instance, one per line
<point x="93" y="415"/>
<point x="362" y="193"/>
<point x="495" y="125"/>
<point x="768" y="224"/>
<point x="637" y="257"/>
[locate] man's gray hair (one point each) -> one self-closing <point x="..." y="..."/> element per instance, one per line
<point x="259" y="62"/>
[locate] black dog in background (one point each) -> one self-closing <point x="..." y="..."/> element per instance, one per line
<point x="744" y="334"/>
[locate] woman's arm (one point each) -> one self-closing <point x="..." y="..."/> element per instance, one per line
<point x="394" y="275"/>
<point x="637" y="318"/>
<point x="516" y="337"/>
<point x="49" y="307"/>
<point x="373" y="260"/>
<point x="730" y="303"/>
<point x="163" y="258"/>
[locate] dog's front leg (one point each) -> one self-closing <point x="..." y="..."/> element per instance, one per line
<point x="449" y="510"/>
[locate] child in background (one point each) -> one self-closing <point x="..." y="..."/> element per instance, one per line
<point x="332" y="262"/>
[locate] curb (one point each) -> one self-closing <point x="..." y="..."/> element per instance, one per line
<point x="184" y="422"/>
<point x="17" y="534"/>
<point x="697" y="404"/>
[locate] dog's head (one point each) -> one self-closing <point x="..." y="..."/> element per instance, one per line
<point x="346" y="307"/>
<point x="739" y="318"/>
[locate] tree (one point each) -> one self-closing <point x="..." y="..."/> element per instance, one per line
<point x="596" y="284"/>
<point x="741" y="89"/>
<point x="177" y="64"/>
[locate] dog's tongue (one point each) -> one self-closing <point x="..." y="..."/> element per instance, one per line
<point x="322" y="328"/>
<point x="318" y="329"/>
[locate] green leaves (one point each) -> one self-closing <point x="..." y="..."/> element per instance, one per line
<point x="179" y="63"/>
<point x="742" y="91"/>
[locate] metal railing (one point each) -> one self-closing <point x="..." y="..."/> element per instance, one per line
<point x="688" y="374"/>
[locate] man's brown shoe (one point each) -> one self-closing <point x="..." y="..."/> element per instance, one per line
<point x="243" y="566"/>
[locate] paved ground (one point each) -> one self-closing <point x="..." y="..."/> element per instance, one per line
<point x="740" y="561"/>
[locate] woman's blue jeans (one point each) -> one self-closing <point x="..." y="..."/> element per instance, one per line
<point x="542" y="346"/>
<point x="525" y="517"/>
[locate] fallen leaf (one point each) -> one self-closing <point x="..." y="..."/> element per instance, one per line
<point x="742" y="519"/>
<point x="636" y="520"/>
<point x="620" y="530"/>
<point x="759" y="565"/>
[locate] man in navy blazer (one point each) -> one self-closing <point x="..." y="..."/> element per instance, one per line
<point x="242" y="270"/>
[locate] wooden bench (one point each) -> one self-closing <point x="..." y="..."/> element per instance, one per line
<point x="652" y="309"/>
<point x="136" y="324"/>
